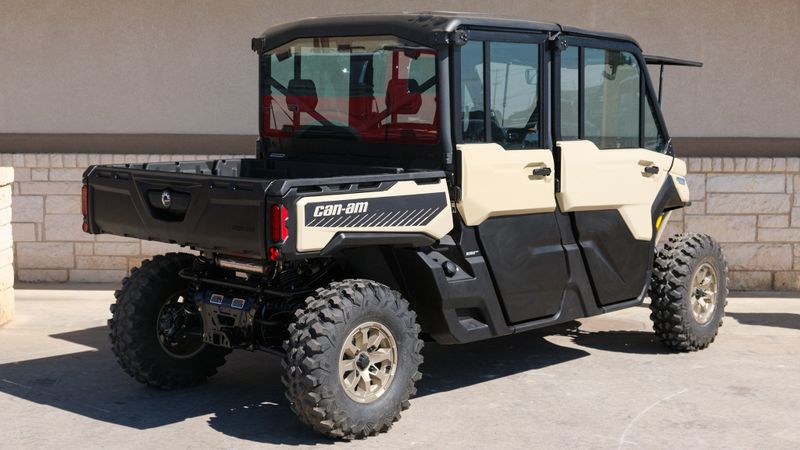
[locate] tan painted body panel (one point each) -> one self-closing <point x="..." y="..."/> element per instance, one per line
<point x="594" y="179"/>
<point x="316" y="238"/>
<point x="679" y="171"/>
<point x="498" y="182"/>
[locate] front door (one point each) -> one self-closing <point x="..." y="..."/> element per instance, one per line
<point x="612" y="166"/>
<point x="507" y="171"/>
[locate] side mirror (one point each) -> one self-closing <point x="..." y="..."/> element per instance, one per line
<point x="530" y="76"/>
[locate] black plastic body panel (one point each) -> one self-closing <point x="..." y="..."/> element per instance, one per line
<point x="527" y="262"/>
<point x="218" y="213"/>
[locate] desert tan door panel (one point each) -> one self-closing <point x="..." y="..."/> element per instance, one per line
<point x="496" y="182"/>
<point x="610" y="195"/>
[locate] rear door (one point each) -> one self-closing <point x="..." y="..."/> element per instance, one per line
<point x="612" y="162"/>
<point x="507" y="169"/>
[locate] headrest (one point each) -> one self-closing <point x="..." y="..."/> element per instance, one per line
<point x="302" y="95"/>
<point x="403" y="97"/>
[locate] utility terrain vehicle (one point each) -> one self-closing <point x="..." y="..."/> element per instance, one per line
<point x="442" y="176"/>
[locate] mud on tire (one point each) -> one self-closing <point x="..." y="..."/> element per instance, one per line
<point x="316" y="345"/>
<point x="673" y="295"/>
<point x="134" y="327"/>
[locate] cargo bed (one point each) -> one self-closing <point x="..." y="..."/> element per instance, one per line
<point x="218" y="206"/>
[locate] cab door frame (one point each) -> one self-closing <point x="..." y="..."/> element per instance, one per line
<point x="599" y="260"/>
<point x="519" y="234"/>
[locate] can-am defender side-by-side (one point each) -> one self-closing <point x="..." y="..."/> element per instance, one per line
<point x="442" y="176"/>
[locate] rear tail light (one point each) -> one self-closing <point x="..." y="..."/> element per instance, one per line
<point x="85" y="206"/>
<point x="278" y="230"/>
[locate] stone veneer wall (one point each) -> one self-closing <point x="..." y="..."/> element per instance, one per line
<point x="6" y="247"/>
<point x="748" y="204"/>
<point x="752" y="206"/>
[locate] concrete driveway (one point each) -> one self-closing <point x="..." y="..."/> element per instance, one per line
<point x="602" y="382"/>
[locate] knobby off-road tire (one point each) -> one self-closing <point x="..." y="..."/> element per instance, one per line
<point x="327" y="333"/>
<point x="135" y="327"/>
<point x="689" y="274"/>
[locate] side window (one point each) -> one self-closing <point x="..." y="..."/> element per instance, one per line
<point x="514" y="94"/>
<point x="569" y="93"/>
<point x="653" y="138"/>
<point x="611" y="98"/>
<point x="472" y="110"/>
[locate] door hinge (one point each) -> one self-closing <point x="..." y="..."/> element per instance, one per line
<point x="557" y="42"/>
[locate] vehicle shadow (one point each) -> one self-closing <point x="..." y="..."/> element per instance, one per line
<point x="246" y="399"/>
<point x="778" y="320"/>
<point x="621" y="341"/>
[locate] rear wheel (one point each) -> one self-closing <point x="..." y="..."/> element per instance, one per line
<point x="352" y="358"/>
<point x="688" y="292"/>
<point x="156" y="331"/>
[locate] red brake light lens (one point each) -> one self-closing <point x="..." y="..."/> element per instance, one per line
<point x="85" y="200"/>
<point x="278" y="229"/>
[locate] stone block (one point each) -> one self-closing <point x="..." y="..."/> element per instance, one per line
<point x="745" y="203"/>
<point x="752" y="165"/>
<point x="63" y="204"/>
<point x="113" y="238"/>
<point x="6" y="277"/>
<point x="795" y="217"/>
<point x="22" y="174"/>
<point x="697" y="186"/>
<point x="65" y="227"/>
<point x="42" y="275"/>
<point x="764" y="164"/>
<point x="750" y="281"/>
<point x="793" y="164"/>
<point x="101" y="262"/>
<point x="96" y="276"/>
<point x="70" y="160"/>
<point x="50" y="187"/>
<point x="773" y="182"/>
<point x="773" y="221"/>
<point x="45" y="255"/>
<point x="117" y="248"/>
<point x="39" y="174"/>
<point x="25" y="232"/>
<point x="728" y="165"/>
<point x="5" y="215"/>
<point x="740" y="164"/>
<point x="779" y="235"/>
<point x="693" y="165"/>
<point x="695" y="208"/>
<point x="84" y="248"/>
<point x="27" y="208"/>
<point x="6" y="175"/>
<point x="724" y="228"/>
<point x="67" y="174"/>
<point x="787" y="281"/>
<point x="5" y="196"/>
<point x="150" y="248"/>
<point x="751" y="256"/>
<point x="7" y="311"/>
<point x="42" y="160"/>
<point x="779" y="164"/>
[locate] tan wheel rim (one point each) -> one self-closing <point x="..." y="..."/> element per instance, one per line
<point x="704" y="293"/>
<point x="367" y="362"/>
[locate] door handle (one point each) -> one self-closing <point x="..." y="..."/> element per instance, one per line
<point x="651" y="170"/>
<point x="542" y="172"/>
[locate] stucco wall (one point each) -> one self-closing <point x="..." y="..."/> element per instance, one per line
<point x="154" y="66"/>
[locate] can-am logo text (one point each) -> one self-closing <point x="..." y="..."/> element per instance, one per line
<point x="339" y="208"/>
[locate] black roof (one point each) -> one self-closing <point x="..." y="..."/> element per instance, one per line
<point x="420" y="27"/>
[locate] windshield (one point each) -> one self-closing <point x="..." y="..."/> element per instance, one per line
<point x="364" y="93"/>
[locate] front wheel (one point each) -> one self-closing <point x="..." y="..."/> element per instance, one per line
<point x="688" y="292"/>
<point x="352" y="358"/>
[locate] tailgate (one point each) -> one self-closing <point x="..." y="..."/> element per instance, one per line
<point x="209" y="212"/>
